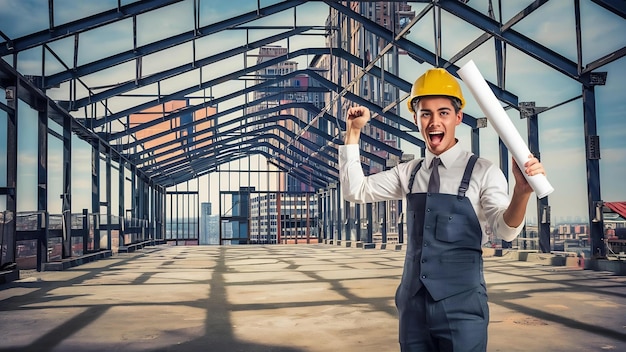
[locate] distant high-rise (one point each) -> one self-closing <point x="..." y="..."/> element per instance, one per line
<point x="270" y="96"/>
<point x="205" y="208"/>
<point x="209" y="226"/>
<point x="281" y="93"/>
<point x="351" y="36"/>
<point x="356" y="40"/>
<point x="283" y="218"/>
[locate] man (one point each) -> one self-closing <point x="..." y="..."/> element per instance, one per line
<point x="442" y="298"/>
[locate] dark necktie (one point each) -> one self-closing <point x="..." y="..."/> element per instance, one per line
<point x="433" y="183"/>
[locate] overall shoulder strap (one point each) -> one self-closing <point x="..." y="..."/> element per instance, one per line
<point x="415" y="170"/>
<point x="466" y="176"/>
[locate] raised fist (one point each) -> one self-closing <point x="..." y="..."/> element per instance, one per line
<point x="358" y="116"/>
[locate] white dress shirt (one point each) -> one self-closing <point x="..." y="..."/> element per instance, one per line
<point x="488" y="189"/>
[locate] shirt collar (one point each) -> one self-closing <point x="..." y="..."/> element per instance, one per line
<point x="447" y="158"/>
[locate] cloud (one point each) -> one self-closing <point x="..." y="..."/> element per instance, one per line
<point x="33" y="17"/>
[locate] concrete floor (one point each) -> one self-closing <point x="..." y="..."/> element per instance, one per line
<point x="289" y="298"/>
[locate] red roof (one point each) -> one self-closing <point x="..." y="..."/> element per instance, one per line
<point x="618" y="207"/>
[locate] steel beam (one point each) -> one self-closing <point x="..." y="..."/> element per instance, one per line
<point x="512" y="37"/>
<point x="82" y="25"/>
<point x="414" y="49"/>
<point x="618" y="7"/>
<point x="121" y="88"/>
<point x="184" y="93"/>
<point x="308" y="106"/>
<point x="173" y="179"/>
<point x="225" y="151"/>
<point x="265" y="125"/>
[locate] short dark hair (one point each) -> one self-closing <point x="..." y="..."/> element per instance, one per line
<point x="456" y="102"/>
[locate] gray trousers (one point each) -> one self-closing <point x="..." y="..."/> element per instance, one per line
<point x="457" y="323"/>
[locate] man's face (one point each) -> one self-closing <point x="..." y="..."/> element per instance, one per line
<point x="437" y="121"/>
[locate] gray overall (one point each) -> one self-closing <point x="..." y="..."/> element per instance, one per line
<point x="442" y="298"/>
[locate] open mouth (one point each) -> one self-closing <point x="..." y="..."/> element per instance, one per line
<point x="435" y="137"/>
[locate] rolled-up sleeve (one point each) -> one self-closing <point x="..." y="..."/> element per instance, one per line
<point x="358" y="188"/>
<point x="505" y="231"/>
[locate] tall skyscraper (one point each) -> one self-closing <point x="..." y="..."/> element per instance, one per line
<point x="352" y="37"/>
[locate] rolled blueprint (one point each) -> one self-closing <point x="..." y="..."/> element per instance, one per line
<point x="501" y="122"/>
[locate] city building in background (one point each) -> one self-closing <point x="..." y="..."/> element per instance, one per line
<point x="209" y="225"/>
<point x="284" y="218"/>
<point x="353" y="38"/>
<point x="158" y="142"/>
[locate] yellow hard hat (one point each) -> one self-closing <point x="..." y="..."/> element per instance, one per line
<point x="436" y="81"/>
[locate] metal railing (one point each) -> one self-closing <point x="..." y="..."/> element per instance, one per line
<point x="42" y="237"/>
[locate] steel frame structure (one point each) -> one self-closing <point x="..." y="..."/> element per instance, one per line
<point x="89" y="115"/>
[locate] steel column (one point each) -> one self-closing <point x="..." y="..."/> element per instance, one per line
<point x="151" y="230"/>
<point x="347" y="219"/>
<point x="121" y="203"/>
<point x="146" y="202"/>
<point x="162" y="216"/>
<point x="95" y="193"/>
<point x="543" y="217"/>
<point x="400" y="223"/>
<point x="141" y="199"/>
<point x="133" y="192"/>
<point x="596" y="223"/>
<point x="67" y="186"/>
<point x="108" y="198"/>
<point x="8" y="257"/>
<point x="331" y="208"/>
<point x="321" y="200"/>
<point x="42" y="190"/>
<point x="338" y="212"/>
<point x="308" y="218"/>
<point x="382" y="213"/>
<point x="370" y="223"/>
<point x="357" y="221"/>
<point x="475" y="140"/>
<point x="85" y="230"/>
<point x="503" y="153"/>
<point x="328" y="216"/>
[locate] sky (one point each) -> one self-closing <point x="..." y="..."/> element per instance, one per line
<point x="561" y="127"/>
